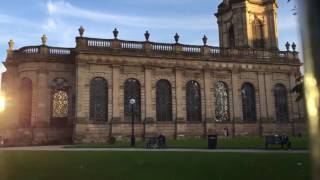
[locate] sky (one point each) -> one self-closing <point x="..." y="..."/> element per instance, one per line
<point x="26" y="21"/>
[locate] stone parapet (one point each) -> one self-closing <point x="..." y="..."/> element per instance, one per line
<point x="151" y="49"/>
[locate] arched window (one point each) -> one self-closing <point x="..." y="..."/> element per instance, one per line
<point x="281" y="102"/>
<point x="132" y="90"/>
<point x="25" y="103"/>
<point x="248" y="103"/>
<point x="221" y="96"/>
<point x="164" y="101"/>
<point x="258" y="35"/>
<point x="193" y="98"/>
<point x="232" y="42"/>
<point x="59" y="102"/>
<point x="98" y="99"/>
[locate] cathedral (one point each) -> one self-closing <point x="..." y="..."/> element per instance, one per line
<point x="103" y="88"/>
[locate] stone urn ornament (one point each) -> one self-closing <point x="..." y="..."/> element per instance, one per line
<point x="44" y="40"/>
<point x="288" y="46"/>
<point x="11" y="44"/>
<point x="147" y="35"/>
<point x="81" y="31"/>
<point x="205" y="40"/>
<point x="294" y="46"/>
<point x="176" y="38"/>
<point x="115" y="33"/>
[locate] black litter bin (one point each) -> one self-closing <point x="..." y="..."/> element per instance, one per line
<point x="212" y="141"/>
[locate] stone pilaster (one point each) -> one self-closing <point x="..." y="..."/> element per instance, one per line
<point x="237" y="110"/>
<point x="270" y="109"/>
<point x="12" y="95"/>
<point x="115" y="93"/>
<point x="42" y="113"/>
<point x="272" y="29"/>
<point x="293" y="111"/>
<point x="209" y="116"/>
<point x="81" y="73"/>
<point x="262" y="96"/>
<point x="179" y="100"/>
<point x="148" y="94"/>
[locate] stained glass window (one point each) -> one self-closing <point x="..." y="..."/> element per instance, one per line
<point x="60" y="100"/>
<point x="60" y="104"/>
<point x="248" y="103"/>
<point x="164" y="101"/>
<point x="99" y="99"/>
<point x="281" y="102"/>
<point x="25" y="103"/>
<point x="132" y="91"/>
<point x="221" y="102"/>
<point x="193" y="97"/>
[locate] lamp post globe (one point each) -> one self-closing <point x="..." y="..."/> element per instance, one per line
<point x="133" y="138"/>
<point x="132" y="101"/>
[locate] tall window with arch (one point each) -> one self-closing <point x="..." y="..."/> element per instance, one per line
<point x="98" y="99"/>
<point x="248" y="103"/>
<point x="59" y="102"/>
<point x="258" y="33"/>
<point x="25" y="102"/>
<point x="193" y="98"/>
<point x="221" y="102"/>
<point x="164" y="100"/>
<point x="281" y="103"/>
<point x="132" y="90"/>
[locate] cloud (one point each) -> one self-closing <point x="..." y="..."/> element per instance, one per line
<point x="51" y="24"/>
<point x="6" y="19"/>
<point x="287" y="22"/>
<point x="66" y="9"/>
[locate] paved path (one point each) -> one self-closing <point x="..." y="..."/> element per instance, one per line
<point x="61" y="148"/>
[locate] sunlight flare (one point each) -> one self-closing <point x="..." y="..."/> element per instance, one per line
<point x="2" y="102"/>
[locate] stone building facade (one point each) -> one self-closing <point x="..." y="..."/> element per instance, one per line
<point x="82" y="94"/>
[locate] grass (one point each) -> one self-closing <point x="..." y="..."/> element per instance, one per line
<point x="17" y="165"/>
<point x="232" y="143"/>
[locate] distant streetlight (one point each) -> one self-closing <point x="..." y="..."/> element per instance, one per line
<point x="133" y="138"/>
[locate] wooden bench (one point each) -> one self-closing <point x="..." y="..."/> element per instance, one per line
<point x="278" y="140"/>
<point x="156" y="142"/>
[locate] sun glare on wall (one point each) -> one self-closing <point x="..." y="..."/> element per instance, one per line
<point x="2" y="102"/>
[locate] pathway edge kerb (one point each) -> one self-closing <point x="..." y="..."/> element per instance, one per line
<point x="61" y="148"/>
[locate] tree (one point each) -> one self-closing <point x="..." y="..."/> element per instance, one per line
<point x="294" y="9"/>
<point x="299" y="89"/>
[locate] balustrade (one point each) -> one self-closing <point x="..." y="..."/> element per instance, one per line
<point x="30" y="50"/>
<point x="191" y="49"/>
<point x="163" y="48"/>
<point x="59" y="51"/>
<point x="131" y="45"/>
<point x="99" y="43"/>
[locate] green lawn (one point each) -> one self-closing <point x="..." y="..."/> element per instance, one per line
<point x="18" y="165"/>
<point x="232" y="143"/>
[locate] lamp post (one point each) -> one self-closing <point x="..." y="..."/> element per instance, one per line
<point x="133" y="138"/>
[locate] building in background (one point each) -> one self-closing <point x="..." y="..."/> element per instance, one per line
<point x="82" y="94"/>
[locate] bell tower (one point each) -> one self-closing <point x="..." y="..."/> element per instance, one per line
<point x="248" y="24"/>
